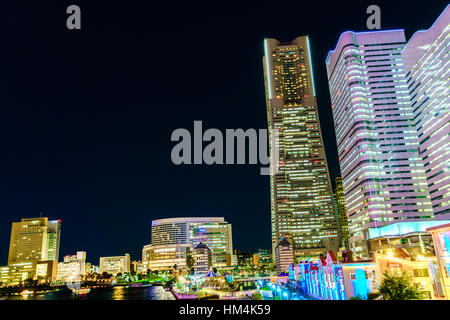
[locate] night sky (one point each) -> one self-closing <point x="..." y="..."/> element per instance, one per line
<point x="86" y="116"/>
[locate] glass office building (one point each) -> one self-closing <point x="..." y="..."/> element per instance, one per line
<point x="382" y="171"/>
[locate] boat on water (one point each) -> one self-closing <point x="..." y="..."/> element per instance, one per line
<point x="81" y="291"/>
<point x="26" y="293"/>
<point x="140" y="285"/>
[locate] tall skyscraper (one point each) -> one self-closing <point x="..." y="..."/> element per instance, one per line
<point x="301" y="196"/>
<point x="34" y="239"/>
<point x="341" y="211"/>
<point x="426" y="58"/>
<point x="53" y="238"/>
<point x="382" y="172"/>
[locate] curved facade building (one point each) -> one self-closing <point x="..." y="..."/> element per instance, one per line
<point x="382" y="172"/>
<point x="427" y="65"/>
<point x="181" y="235"/>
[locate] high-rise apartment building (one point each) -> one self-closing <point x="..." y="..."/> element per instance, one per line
<point x="214" y="232"/>
<point x="302" y="206"/>
<point x="341" y="211"/>
<point x="34" y="239"/>
<point x="382" y="172"/>
<point x="426" y="58"/>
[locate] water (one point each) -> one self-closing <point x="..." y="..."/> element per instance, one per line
<point x="105" y="293"/>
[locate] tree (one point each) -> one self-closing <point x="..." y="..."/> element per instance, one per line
<point x="189" y="261"/>
<point x="399" y="286"/>
<point x="257" y="296"/>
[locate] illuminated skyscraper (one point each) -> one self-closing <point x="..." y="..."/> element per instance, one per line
<point x="301" y="196"/>
<point x="427" y="65"/>
<point x="53" y="238"/>
<point x="341" y="211"/>
<point x="382" y="172"/>
<point x="34" y="239"/>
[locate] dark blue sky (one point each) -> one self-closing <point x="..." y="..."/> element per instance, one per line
<point x="86" y="116"/>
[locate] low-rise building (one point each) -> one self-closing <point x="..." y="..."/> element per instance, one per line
<point x="165" y="257"/>
<point x="412" y="236"/>
<point x="328" y="279"/>
<point x="422" y="271"/>
<point x="265" y="256"/>
<point x="137" y="267"/>
<point x="284" y="254"/>
<point x="441" y="239"/>
<point x="115" y="265"/>
<point x="73" y="268"/>
<point x="202" y="259"/>
<point x="19" y="272"/>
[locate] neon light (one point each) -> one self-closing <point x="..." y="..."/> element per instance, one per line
<point x="355" y="33"/>
<point x="422" y="31"/>
<point x="403" y="228"/>
<point x="269" y="69"/>
<point x="310" y="62"/>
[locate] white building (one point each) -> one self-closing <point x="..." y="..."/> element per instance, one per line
<point x="172" y="237"/>
<point x="115" y="265"/>
<point x="73" y="268"/>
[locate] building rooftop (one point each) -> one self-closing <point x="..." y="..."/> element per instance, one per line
<point x="404" y="228"/>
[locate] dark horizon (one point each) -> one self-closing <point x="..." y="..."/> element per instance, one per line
<point x="88" y="114"/>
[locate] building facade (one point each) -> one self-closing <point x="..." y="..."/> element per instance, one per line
<point x="202" y="259"/>
<point x="382" y="172"/>
<point x="164" y="257"/>
<point x="328" y="279"/>
<point x="301" y="195"/>
<point x="19" y="272"/>
<point x="426" y="58"/>
<point x="422" y="271"/>
<point x="265" y="256"/>
<point x="341" y="211"/>
<point x="215" y="232"/>
<point x="284" y="255"/>
<point x="441" y="240"/>
<point x="34" y="239"/>
<point x="115" y="265"/>
<point x="73" y="268"/>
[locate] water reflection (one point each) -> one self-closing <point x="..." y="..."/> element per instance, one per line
<point x="104" y="293"/>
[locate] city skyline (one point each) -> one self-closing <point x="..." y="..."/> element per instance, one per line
<point x="102" y="169"/>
